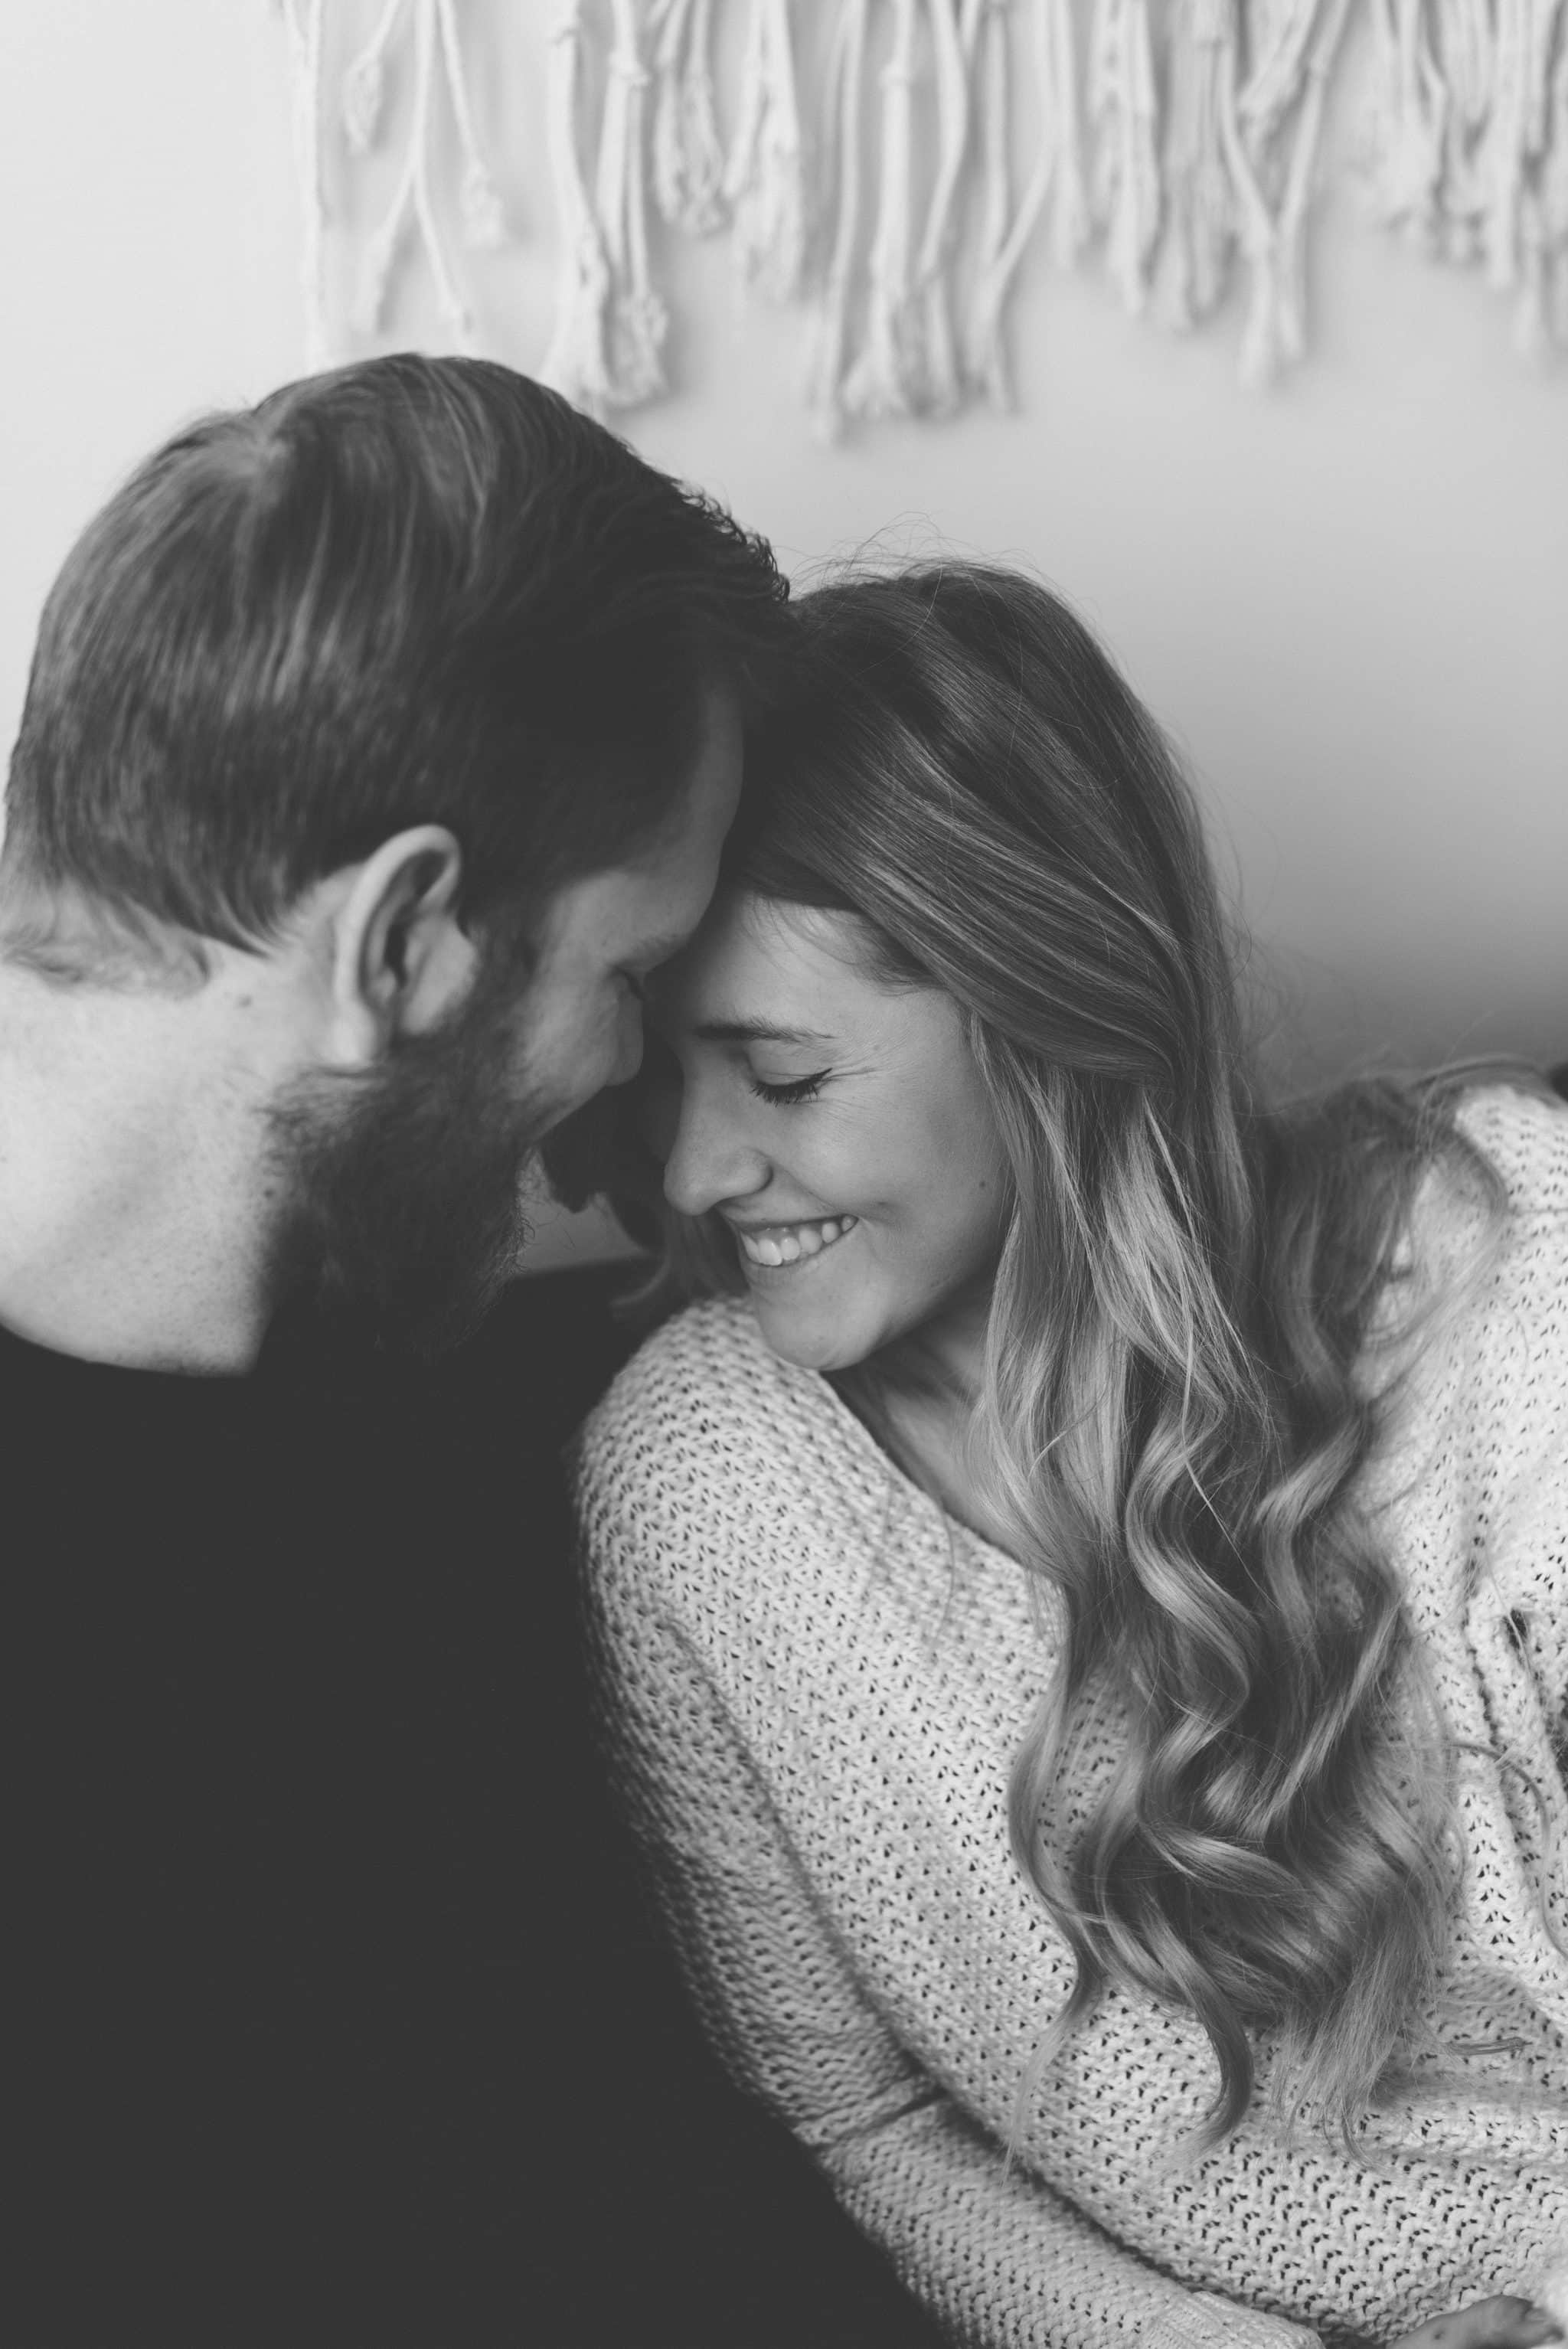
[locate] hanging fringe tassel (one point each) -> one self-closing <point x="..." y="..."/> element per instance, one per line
<point x="1192" y="269"/>
<point x="1277" y="336"/>
<point x="687" y="157"/>
<point x="942" y="390"/>
<point x="575" y="363"/>
<point x="886" y="377"/>
<point x="1057" y="174"/>
<point x="484" y="226"/>
<point x="984" y="30"/>
<point x="636" y="318"/>
<point x="1071" y="221"/>
<point x="1542" y="234"/>
<point x="1474" y="111"/>
<point x="1123" y="113"/>
<point x="1234" y="179"/>
<point x="1553" y="198"/>
<point x="1465" y="44"/>
<point x="1277" y="57"/>
<point x="1266" y="333"/>
<point x="1413" y="121"/>
<point x="1515" y="163"/>
<point x="303" y="27"/>
<point x="1504" y="151"/>
<point x="364" y="83"/>
<point x="829" y="343"/>
<point x="764" y="183"/>
<point x="987" y="47"/>
<point x="435" y="55"/>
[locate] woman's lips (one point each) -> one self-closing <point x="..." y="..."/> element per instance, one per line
<point x="771" y="1246"/>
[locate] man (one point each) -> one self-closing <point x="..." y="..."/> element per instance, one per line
<point x="378" y="742"/>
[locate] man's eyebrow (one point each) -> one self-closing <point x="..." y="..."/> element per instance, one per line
<point x="755" y="1031"/>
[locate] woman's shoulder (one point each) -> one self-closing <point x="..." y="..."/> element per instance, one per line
<point x="1486" y="1345"/>
<point x="710" y="1357"/>
<point x="1522" y="1135"/>
<point x="699" y="1411"/>
<point x="1523" y="1305"/>
<point x="1487" y="1240"/>
<point x="1476" y="1220"/>
<point x="1499" y="1400"/>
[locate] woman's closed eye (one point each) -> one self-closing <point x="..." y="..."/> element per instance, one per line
<point x="786" y="1096"/>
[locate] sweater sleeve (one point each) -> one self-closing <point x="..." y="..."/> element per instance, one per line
<point x="996" y="2255"/>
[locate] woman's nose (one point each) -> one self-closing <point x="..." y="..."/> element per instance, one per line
<point x="710" y="1158"/>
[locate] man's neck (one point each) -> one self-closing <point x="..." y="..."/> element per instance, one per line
<point x="134" y="1214"/>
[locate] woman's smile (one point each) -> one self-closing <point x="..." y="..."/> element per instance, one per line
<point x="780" y="1247"/>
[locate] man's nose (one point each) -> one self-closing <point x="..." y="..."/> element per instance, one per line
<point x="711" y="1159"/>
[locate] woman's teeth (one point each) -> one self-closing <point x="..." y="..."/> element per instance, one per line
<point x="790" y="1243"/>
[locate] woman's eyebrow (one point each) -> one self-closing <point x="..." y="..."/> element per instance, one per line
<point x="755" y="1031"/>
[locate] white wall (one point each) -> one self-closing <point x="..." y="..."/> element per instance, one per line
<point x="1348" y="598"/>
<point x="147" y="245"/>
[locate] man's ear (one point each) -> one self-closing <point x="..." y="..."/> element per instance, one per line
<point x="401" y="962"/>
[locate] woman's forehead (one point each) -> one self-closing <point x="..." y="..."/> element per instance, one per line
<point x="759" y="964"/>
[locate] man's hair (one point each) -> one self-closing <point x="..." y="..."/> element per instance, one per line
<point x="414" y="590"/>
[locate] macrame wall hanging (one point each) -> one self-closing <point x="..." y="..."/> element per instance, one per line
<point x="885" y="164"/>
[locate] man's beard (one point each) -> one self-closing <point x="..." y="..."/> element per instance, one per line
<point x="402" y="1212"/>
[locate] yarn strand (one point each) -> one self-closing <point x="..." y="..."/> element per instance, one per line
<point x="687" y="155"/>
<point x="1058" y="176"/>
<point x="942" y="388"/>
<point x="764" y="183"/>
<point x="303" y="27"/>
<point x="829" y="355"/>
<point x="483" y="224"/>
<point x="886" y="378"/>
<point x="1123" y="110"/>
<point x="413" y="201"/>
<point x="575" y="361"/>
<point x="636" y="318"/>
<point x="365" y="82"/>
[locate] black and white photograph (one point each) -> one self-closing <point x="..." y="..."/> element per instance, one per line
<point x="784" y="1173"/>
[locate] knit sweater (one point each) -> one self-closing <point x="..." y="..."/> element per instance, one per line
<point x="816" y="1682"/>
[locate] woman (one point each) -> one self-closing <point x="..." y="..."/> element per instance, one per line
<point x="1086" y="1610"/>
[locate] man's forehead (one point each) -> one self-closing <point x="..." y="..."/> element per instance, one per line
<point x="661" y="947"/>
<point x="715" y="780"/>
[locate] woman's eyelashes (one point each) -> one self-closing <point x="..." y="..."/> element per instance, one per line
<point x="789" y="1096"/>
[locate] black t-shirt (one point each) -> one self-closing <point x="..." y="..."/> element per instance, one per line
<point x="336" y="2015"/>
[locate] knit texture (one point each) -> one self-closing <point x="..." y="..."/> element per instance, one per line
<point x="816" y="1681"/>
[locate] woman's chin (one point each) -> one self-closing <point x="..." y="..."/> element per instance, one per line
<point x="812" y="1340"/>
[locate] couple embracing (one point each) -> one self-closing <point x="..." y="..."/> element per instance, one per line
<point x="1076" y="1581"/>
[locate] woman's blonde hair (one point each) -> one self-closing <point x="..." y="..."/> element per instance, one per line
<point x="1175" y="1393"/>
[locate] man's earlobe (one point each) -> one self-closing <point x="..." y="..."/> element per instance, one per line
<point x="402" y="962"/>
